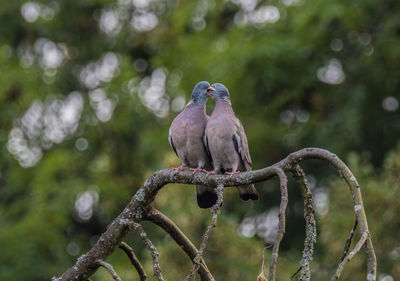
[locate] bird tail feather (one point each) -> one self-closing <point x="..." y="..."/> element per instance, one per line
<point x="206" y="196"/>
<point x="247" y="192"/>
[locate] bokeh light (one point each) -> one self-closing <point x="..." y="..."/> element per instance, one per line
<point x="332" y="73"/>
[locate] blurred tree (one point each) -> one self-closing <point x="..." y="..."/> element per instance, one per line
<point x="88" y="89"/>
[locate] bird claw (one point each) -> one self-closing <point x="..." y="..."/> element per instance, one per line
<point x="180" y="168"/>
<point x="195" y="170"/>
<point x="210" y="172"/>
<point x="232" y="173"/>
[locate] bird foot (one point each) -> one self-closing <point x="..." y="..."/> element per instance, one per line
<point x="232" y="173"/>
<point x="180" y="168"/>
<point x="195" y="170"/>
<point x="213" y="172"/>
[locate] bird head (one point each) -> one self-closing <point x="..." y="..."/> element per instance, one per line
<point x="199" y="94"/>
<point x="218" y="91"/>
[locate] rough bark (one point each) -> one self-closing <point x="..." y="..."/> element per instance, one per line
<point x="140" y="208"/>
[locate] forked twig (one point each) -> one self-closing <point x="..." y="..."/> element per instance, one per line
<point x="214" y="211"/>
<point x="180" y="238"/>
<point x="141" y="203"/>
<point x="348" y="241"/>
<point x="282" y="222"/>
<point x="356" y="249"/>
<point x="110" y="269"/>
<point x="261" y="276"/>
<point x="153" y="251"/>
<point x="263" y="259"/>
<point x="134" y="260"/>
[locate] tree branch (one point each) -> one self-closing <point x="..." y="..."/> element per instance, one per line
<point x="356" y="249"/>
<point x="134" y="260"/>
<point x="348" y="241"/>
<point x="153" y="251"/>
<point x="295" y="273"/>
<point x="214" y="211"/>
<point x="140" y="205"/>
<point x="311" y="226"/>
<point x="180" y="238"/>
<point x="110" y="269"/>
<point x="261" y="276"/>
<point x="282" y="222"/>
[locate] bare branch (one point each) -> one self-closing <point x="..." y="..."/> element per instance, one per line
<point x="140" y="205"/>
<point x="134" y="260"/>
<point x="311" y="228"/>
<point x="295" y="273"/>
<point x="180" y="238"/>
<point x="214" y="211"/>
<point x="110" y="269"/>
<point x="153" y="251"/>
<point x="317" y="153"/>
<point x="348" y="241"/>
<point x="356" y="249"/>
<point x="282" y="222"/>
<point x="261" y="276"/>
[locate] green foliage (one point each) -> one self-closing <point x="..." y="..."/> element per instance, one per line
<point x="88" y="89"/>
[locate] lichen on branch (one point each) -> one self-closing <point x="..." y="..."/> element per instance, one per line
<point x="141" y="208"/>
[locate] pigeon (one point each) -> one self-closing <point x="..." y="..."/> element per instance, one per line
<point x="226" y="141"/>
<point x="186" y="139"/>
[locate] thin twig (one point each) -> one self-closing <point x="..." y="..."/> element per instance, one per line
<point x="356" y="249"/>
<point x="134" y="260"/>
<point x="261" y="276"/>
<point x="263" y="258"/>
<point x="141" y="203"/>
<point x="153" y="251"/>
<point x="282" y="222"/>
<point x="110" y="269"/>
<point x="311" y="228"/>
<point x="180" y="238"/>
<point x="348" y="241"/>
<point x="214" y="211"/>
<point x="294" y="274"/>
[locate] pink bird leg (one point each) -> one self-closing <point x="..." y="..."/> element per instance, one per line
<point x="180" y="168"/>
<point x="195" y="170"/>
<point x="232" y="173"/>
<point x="213" y="172"/>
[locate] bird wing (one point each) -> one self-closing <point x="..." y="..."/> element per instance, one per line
<point x="241" y="144"/>
<point x="171" y="143"/>
<point x="205" y="142"/>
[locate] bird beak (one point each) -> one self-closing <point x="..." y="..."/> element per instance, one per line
<point x="209" y="89"/>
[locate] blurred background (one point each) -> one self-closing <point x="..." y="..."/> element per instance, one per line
<point x="89" y="88"/>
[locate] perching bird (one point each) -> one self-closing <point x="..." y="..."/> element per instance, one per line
<point x="226" y="141"/>
<point x="186" y="138"/>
